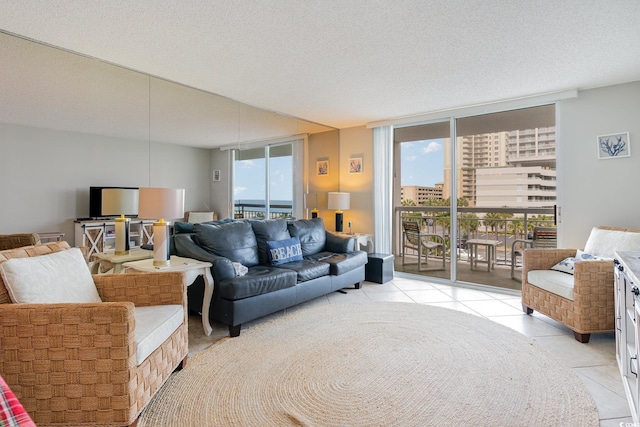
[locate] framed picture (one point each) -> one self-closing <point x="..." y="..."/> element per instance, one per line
<point x="323" y="167"/>
<point x="216" y="175"/>
<point x="355" y="165"/>
<point x="614" y="146"/>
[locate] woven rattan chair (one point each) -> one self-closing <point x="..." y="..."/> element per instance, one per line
<point x="592" y="308"/>
<point x="11" y="241"/>
<point x="75" y="364"/>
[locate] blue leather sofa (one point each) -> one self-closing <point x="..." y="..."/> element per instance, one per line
<point x="306" y="262"/>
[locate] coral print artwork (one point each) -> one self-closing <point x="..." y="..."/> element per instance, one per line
<point x="614" y="146"/>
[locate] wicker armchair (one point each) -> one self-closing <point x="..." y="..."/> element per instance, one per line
<point x="75" y="364"/>
<point x="592" y="308"/>
<point x="11" y="241"/>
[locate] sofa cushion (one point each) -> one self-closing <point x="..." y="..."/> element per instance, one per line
<point x="60" y="277"/>
<point x="258" y="280"/>
<point x="234" y="240"/>
<point x="552" y="281"/>
<point x="284" y="251"/>
<point x="341" y="263"/>
<point x="604" y="243"/>
<point x="154" y="325"/>
<point x="269" y="230"/>
<point x="308" y="269"/>
<point x="311" y="234"/>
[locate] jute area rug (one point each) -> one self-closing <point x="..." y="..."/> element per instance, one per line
<point x="373" y="364"/>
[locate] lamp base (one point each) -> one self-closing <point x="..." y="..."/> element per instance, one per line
<point x="339" y="220"/>
<point x="161" y="252"/>
<point x="314" y="213"/>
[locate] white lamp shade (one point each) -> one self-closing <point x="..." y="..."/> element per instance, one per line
<point x="165" y="203"/>
<point x="338" y="201"/>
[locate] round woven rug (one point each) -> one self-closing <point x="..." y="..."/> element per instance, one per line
<point x="373" y="364"/>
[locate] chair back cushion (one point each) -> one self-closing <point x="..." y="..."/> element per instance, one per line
<point x="311" y="234"/>
<point x="604" y="241"/>
<point x="61" y="277"/>
<point x="28" y="251"/>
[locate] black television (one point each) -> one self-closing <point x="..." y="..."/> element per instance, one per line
<point x="110" y="202"/>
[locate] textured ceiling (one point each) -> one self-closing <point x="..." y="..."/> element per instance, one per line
<point x="344" y="63"/>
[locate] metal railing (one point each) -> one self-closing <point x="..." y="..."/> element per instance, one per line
<point x="250" y="210"/>
<point x="501" y="224"/>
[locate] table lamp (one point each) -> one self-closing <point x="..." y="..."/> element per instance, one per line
<point x="161" y="203"/>
<point x="338" y="201"/>
<point x="311" y="202"/>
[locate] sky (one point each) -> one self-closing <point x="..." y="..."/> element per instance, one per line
<point x="249" y="180"/>
<point x="422" y="162"/>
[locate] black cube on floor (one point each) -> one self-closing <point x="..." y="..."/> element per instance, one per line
<point x="379" y="269"/>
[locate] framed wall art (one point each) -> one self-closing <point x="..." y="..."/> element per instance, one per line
<point x="323" y="167"/>
<point x="614" y="146"/>
<point x="355" y="165"/>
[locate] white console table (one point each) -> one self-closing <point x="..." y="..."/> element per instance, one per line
<point x="627" y="304"/>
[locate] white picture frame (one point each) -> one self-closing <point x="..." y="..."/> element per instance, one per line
<point x="614" y="146"/>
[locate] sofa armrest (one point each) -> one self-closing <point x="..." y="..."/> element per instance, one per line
<point x="222" y="267"/>
<point x="339" y="243"/>
<point x="543" y="259"/>
<point x="143" y="289"/>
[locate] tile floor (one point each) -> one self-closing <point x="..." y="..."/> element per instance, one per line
<point x="594" y="362"/>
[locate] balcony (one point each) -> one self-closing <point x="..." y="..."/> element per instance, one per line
<point x="504" y="225"/>
<point x="248" y="209"/>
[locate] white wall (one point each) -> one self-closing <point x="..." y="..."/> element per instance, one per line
<point x="594" y="192"/>
<point x="45" y="174"/>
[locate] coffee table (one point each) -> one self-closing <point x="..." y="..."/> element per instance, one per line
<point x="192" y="269"/>
<point x="111" y="260"/>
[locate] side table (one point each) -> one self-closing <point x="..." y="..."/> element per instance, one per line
<point x="192" y="269"/>
<point x="473" y="252"/>
<point x="111" y="260"/>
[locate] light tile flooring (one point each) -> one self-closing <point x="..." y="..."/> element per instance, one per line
<point x="594" y="363"/>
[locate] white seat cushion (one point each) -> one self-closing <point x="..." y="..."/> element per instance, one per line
<point x="154" y="324"/>
<point x="59" y="277"/>
<point x="552" y="281"/>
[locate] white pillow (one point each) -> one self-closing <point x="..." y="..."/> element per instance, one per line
<point x="604" y="243"/>
<point x="58" y="277"/>
<point x="567" y="265"/>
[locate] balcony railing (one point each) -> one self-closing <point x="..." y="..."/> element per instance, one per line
<point x="501" y="224"/>
<point x="257" y="209"/>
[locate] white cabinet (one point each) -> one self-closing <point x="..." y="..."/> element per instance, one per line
<point x="627" y="302"/>
<point x="100" y="235"/>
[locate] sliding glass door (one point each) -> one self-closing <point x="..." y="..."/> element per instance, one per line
<point x="263" y="182"/>
<point x="481" y="197"/>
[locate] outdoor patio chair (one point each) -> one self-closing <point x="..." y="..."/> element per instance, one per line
<point x="543" y="237"/>
<point x="421" y="243"/>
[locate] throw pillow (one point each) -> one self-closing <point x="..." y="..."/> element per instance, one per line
<point x="60" y="277"/>
<point x="567" y="265"/>
<point x="266" y="230"/>
<point x="284" y="251"/>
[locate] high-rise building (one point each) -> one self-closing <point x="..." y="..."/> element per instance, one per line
<point x="420" y="194"/>
<point x="513" y="169"/>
